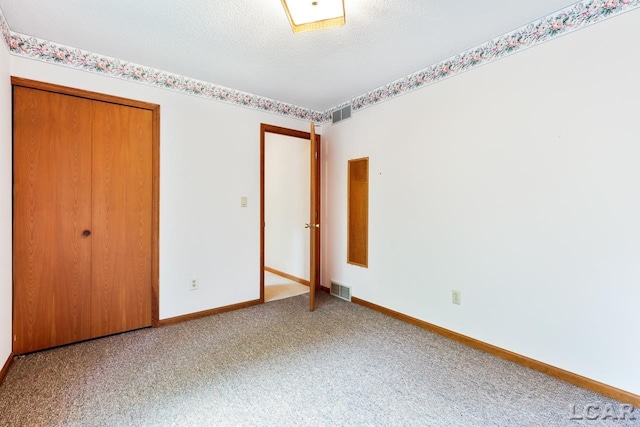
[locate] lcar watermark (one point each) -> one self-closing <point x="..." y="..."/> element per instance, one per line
<point x="605" y="411"/>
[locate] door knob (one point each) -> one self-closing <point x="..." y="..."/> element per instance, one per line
<point x="312" y="225"/>
<point x="86" y="233"/>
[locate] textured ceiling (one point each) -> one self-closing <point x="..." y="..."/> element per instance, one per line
<point x="249" y="45"/>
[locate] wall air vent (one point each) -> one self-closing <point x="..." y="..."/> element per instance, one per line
<point x="340" y="291"/>
<point x="341" y="114"/>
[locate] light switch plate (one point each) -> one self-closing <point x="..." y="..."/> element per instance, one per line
<point x="455" y="297"/>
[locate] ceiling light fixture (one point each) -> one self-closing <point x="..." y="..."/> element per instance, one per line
<point x="309" y="15"/>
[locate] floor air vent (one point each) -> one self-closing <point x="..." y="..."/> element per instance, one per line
<point x="340" y="291"/>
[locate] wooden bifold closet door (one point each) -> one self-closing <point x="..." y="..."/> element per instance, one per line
<point x="82" y="219"/>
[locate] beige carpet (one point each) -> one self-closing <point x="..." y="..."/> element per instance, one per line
<point x="278" y="364"/>
<point x="278" y="287"/>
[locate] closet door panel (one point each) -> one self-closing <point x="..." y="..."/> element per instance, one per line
<point x="122" y="191"/>
<point x="52" y="208"/>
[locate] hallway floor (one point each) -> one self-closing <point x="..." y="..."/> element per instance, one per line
<point x="278" y="287"/>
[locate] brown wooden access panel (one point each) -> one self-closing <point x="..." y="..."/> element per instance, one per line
<point x="358" y="212"/>
<point x="85" y="209"/>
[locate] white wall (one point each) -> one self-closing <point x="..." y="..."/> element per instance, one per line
<point x="209" y="159"/>
<point x="517" y="183"/>
<point x="287" y="182"/>
<point x="6" y="286"/>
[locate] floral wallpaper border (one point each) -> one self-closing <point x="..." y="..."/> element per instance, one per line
<point x="572" y="18"/>
<point x="59" y="54"/>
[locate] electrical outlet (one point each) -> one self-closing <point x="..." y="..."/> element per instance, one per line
<point x="193" y="284"/>
<point x="455" y="297"/>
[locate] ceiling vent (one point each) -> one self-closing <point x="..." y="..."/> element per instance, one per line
<point x="342" y="114"/>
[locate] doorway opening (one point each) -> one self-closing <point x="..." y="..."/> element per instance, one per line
<point x="289" y="246"/>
